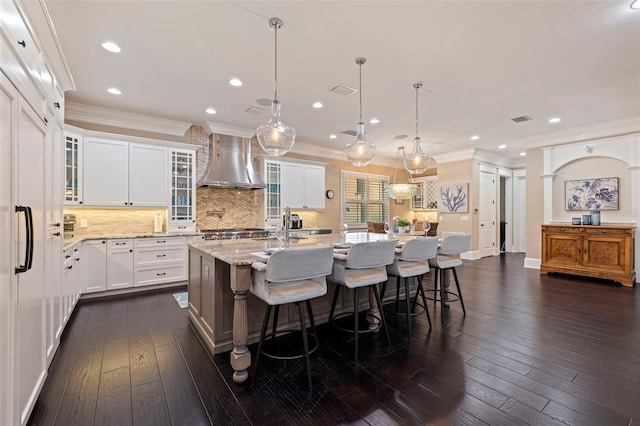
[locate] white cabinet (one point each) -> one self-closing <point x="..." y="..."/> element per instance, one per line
<point x="182" y="212"/>
<point x="73" y="168"/>
<point x="119" y="264"/>
<point x="94" y="266"/>
<point x="427" y="196"/>
<point x="160" y="260"/>
<point x="302" y="186"/>
<point x="71" y="281"/>
<point x="148" y="176"/>
<point x="118" y="173"/>
<point x="105" y="172"/>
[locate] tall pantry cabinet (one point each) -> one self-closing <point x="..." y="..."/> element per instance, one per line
<point x="33" y="80"/>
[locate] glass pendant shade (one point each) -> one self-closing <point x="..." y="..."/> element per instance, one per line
<point x="360" y="152"/>
<point x="401" y="191"/>
<point x="417" y="161"/>
<point x="275" y="137"/>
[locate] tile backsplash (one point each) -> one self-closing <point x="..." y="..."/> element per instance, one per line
<point x="106" y="222"/>
<point x="226" y="208"/>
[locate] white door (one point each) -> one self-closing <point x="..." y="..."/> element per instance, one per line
<point x="105" y="171"/>
<point x="520" y="215"/>
<point x="29" y="362"/>
<point x="119" y="268"/>
<point x="148" y="176"/>
<point x="487" y="214"/>
<point x="94" y="270"/>
<point x="291" y="185"/>
<point x="314" y="187"/>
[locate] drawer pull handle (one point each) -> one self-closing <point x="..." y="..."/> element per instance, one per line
<point x="161" y="241"/>
<point x="56" y="234"/>
<point x="56" y="104"/>
<point x="67" y="256"/>
<point x="561" y="229"/>
<point x="70" y="267"/>
<point x="120" y="244"/>
<point x="604" y="230"/>
<point x="22" y="43"/>
<point x="161" y="255"/>
<point x="162" y="274"/>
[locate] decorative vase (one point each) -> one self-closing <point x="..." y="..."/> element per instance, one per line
<point x="595" y="217"/>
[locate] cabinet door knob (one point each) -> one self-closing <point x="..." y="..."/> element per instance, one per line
<point x="56" y="234"/>
<point x="22" y="43"/>
<point x="130" y="250"/>
<point x="56" y="105"/>
<point x="561" y="229"/>
<point x="604" y="230"/>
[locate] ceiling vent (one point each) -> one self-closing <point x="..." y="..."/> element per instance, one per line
<point x="254" y="111"/>
<point x="521" y="119"/>
<point x="350" y="133"/>
<point x="342" y="90"/>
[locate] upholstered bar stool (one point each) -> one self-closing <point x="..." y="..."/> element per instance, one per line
<point x="291" y="276"/>
<point x="364" y="266"/>
<point x="412" y="262"/>
<point x="447" y="260"/>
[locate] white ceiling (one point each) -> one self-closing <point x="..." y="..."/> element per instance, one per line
<point x="481" y="63"/>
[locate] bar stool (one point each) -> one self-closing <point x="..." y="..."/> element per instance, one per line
<point x="448" y="259"/>
<point x="412" y="262"/>
<point x="363" y="266"/>
<point x="291" y="276"/>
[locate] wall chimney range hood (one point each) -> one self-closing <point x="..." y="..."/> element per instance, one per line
<point x="229" y="164"/>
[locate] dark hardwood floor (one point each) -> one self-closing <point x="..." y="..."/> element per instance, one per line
<point x="532" y="350"/>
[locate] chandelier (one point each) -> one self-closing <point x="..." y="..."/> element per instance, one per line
<point x="360" y="152"/>
<point x="275" y="137"/>
<point x="417" y="161"/>
<point x="401" y="191"/>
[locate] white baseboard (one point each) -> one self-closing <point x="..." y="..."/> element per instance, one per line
<point x="530" y="262"/>
<point x="471" y="255"/>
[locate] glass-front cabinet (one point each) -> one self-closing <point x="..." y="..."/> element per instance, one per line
<point x="427" y="196"/>
<point x="73" y="171"/>
<point x="273" y="194"/>
<point x="182" y="215"/>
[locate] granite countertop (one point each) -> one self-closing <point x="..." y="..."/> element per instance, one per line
<point x="240" y="251"/>
<point x="70" y="242"/>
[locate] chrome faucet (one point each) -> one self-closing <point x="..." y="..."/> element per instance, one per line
<point x="287" y="224"/>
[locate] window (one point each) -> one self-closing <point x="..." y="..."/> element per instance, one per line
<point x="364" y="199"/>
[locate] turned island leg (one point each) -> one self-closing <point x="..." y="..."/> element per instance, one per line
<point x="240" y="282"/>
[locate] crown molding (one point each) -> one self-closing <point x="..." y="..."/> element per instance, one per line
<point x="125" y="120"/>
<point x="623" y="126"/>
<point x="498" y="160"/>
<point x="450" y="157"/>
<point x="228" y="129"/>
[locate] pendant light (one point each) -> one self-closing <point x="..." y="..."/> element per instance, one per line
<point x="401" y="191"/>
<point x="360" y="152"/>
<point x="275" y="137"/>
<point x="417" y="161"/>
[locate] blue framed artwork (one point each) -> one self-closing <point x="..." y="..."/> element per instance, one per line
<point x="591" y="194"/>
<point x="454" y="198"/>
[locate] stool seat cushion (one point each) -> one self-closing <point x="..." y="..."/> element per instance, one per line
<point x="354" y="278"/>
<point x="403" y="268"/>
<point x="289" y="291"/>
<point x="445" y="262"/>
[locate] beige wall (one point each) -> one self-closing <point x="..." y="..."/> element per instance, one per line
<point x="453" y="173"/>
<point x="534" y="202"/>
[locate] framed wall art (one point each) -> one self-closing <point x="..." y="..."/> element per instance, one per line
<point x="591" y="194"/>
<point x="454" y="198"/>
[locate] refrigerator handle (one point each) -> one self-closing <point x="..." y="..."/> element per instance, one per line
<point x="24" y="268"/>
<point x="30" y="238"/>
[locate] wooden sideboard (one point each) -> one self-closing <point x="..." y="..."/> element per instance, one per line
<point x="593" y="251"/>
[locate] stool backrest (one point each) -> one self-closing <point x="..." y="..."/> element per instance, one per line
<point x="371" y="254"/>
<point x="455" y="243"/>
<point x="299" y="264"/>
<point x="419" y="248"/>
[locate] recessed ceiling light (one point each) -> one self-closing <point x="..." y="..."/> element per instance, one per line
<point x="374" y="121"/>
<point x="317" y="105"/>
<point x="555" y="120"/>
<point x="111" y="47"/>
<point x="332" y="136"/>
<point x="475" y="137"/>
<point x="211" y="111"/>
<point x="235" y="82"/>
<point x="114" y="91"/>
<point x="502" y="147"/>
<point x="522" y="154"/>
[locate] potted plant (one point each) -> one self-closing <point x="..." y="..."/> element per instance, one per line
<point x="403" y="225"/>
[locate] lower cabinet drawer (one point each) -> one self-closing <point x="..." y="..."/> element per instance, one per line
<point x="166" y="274"/>
<point x="157" y="256"/>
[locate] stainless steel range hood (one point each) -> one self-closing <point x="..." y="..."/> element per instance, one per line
<point x="229" y="164"/>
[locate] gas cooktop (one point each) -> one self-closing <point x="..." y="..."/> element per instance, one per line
<point x="233" y="233"/>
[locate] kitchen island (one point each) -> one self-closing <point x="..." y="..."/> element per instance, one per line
<point x="226" y="315"/>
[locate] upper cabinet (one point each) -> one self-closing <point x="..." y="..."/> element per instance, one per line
<point x="427" y="196"/>
<point x="122" y="174"/>
<point x="73" y="168"/>
<point x="182" y="214"/>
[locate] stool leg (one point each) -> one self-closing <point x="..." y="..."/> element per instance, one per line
<point x="333" y="304"/>
<point x="382" y="318"/>
<point x="407" y="304"/>
<point x="276" y="313"/>
<point x="305" y="343"/>
<point x="265" y="322"/>
<point x="442" y="272"/>
<point x="356" y="315"/>
<point x="435" y="287"/>
<point x="397" y="293"/>
<point x="455" y="276"/>
<point x="311" y="320"/>
<point x="415" y="299"/>
<point x="424" y="300"/>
